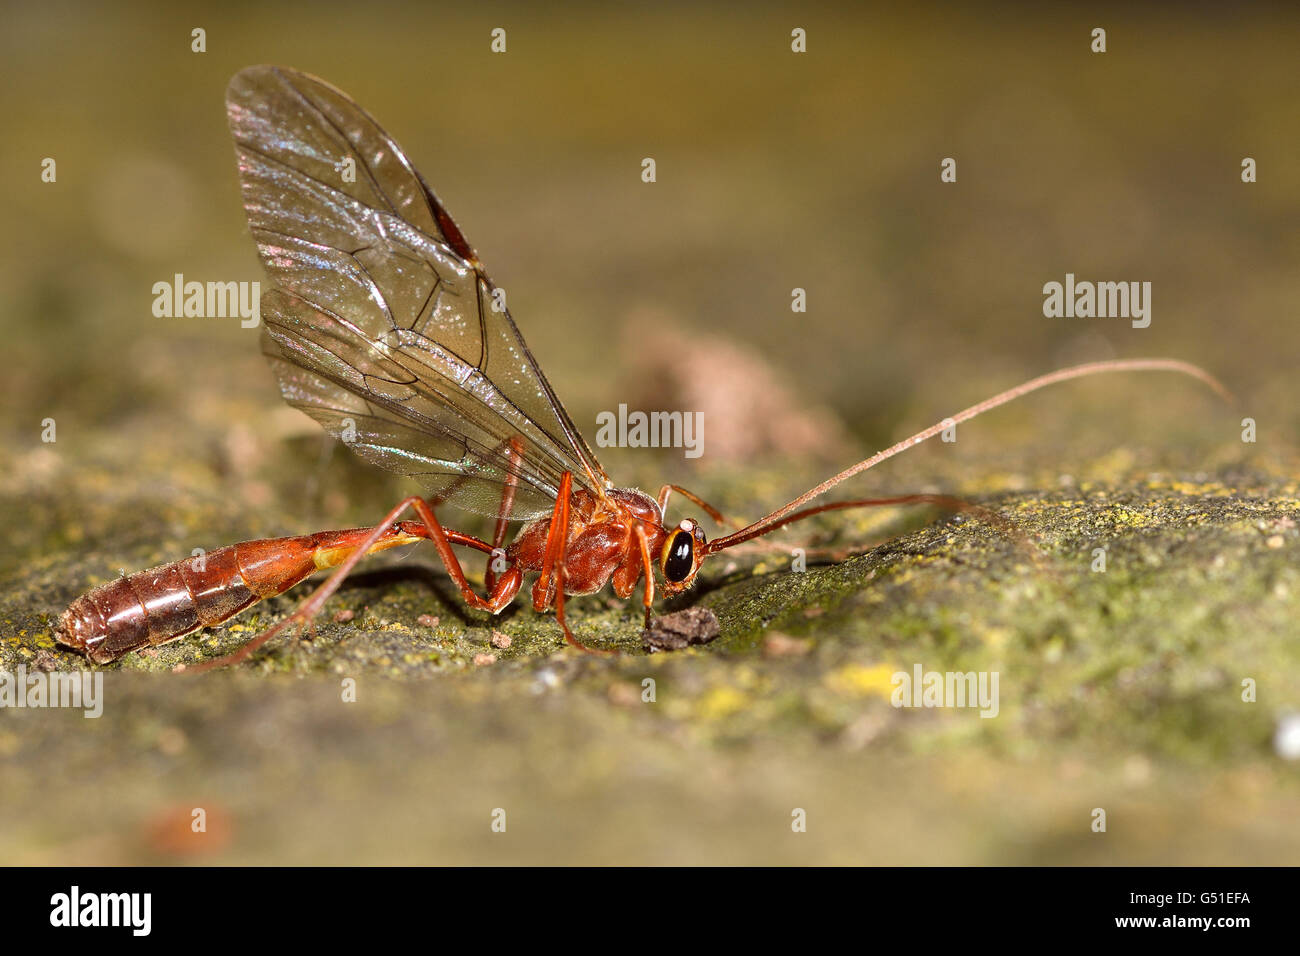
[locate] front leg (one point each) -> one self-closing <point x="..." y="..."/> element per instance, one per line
<point x="549" y="587"/>
<point x="626" y="576"/>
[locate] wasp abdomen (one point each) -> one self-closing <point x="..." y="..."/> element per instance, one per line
<point x="159" y="605"/>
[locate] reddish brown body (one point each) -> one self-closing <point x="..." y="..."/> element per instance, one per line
<point x="601" y="544"/>
<point x="159" y="605"/>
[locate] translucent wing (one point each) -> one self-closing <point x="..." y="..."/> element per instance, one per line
<point x="381" y="322"/>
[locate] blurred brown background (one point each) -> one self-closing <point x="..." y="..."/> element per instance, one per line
<point x="775" y="171"/>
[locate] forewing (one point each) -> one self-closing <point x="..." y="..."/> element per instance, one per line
<point x="380" y="323"/>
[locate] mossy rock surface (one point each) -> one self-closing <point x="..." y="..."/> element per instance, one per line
<point x="1119" y="689"/>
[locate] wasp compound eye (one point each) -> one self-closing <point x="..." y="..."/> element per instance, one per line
<point x="679" y="557"/>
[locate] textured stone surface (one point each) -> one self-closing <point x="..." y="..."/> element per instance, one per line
<point x="1119" y="690"/>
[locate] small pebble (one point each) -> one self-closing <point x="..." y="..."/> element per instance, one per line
<point x="45" y="661"/>
<point x="623" y="694"/>
<point x="783" y="645"/>
<point x="672" y="632"/>
<point x="172" y="741"/>
<point x="1286" y="738"/>
<point x="342" y="617"/>
<point x="428" y="620"/>
<point x="170" y="831"/>
<point x="500" y="640"/>
<point x="546" y="680"/>
<point x="482" y="660"/>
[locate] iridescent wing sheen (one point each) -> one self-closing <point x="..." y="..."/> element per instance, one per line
<point x="381" y="323"/>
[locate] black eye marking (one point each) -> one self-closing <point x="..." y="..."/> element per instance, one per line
<point x="681" y="557"/>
